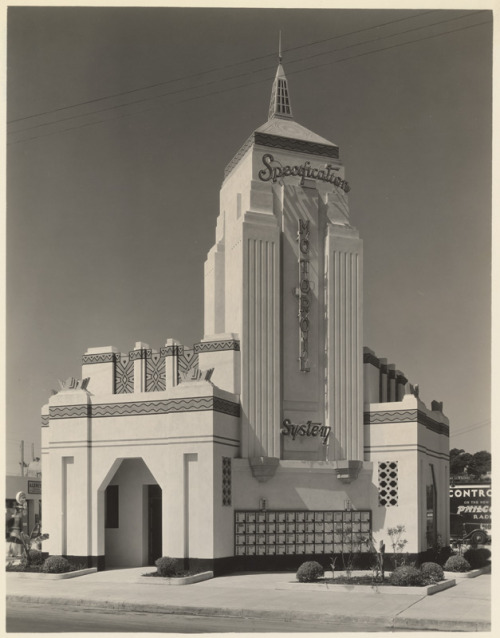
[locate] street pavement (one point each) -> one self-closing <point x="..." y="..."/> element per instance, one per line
<point x="465" y="607"/>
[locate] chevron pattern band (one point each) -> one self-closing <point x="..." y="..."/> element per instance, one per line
<point x="216" y="346"/>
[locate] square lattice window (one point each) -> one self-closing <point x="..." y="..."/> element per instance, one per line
<point x="388" y="483"/>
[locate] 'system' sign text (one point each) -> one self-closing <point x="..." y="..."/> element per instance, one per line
<point x="305" y="429"/>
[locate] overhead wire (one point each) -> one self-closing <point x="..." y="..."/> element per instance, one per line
<point x="215" y="69"/>
<point x="252" y="72"/>
<point x="226" y="90"/>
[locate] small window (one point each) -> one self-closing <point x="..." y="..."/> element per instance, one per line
<point x="111" y="507"/>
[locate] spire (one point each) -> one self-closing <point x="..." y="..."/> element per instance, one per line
<point x="280" y="102"/>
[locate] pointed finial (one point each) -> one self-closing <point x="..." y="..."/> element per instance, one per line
<point x="279" y="49"/>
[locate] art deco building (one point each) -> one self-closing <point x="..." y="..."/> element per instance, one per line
<point x="277" y="437"/>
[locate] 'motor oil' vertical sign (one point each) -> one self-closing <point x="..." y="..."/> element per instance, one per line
<point x="473" y="502"/>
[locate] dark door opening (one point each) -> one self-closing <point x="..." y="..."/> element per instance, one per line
<point x="154" y="523"/>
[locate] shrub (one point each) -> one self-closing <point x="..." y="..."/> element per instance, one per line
<point x="56" y="565"/>
<point x="456" y="564"/>
<point x="309" y="572"/>
<point x="166" y="566"/>
<point x="35" y="558"/>
<point x="406" y="576"/>
<point x="439" y="554"/>
<point x="432" y="571"/>
<point x="477" y="557"/>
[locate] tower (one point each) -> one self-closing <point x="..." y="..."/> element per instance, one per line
<point x="285" y="274"/>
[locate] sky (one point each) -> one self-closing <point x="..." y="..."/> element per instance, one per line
<point x="122" y="120"/>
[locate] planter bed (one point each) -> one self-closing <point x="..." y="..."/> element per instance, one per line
<point x="152" y="579"/>
<point x="335" y="585"/>
<point x="44" y="576"/>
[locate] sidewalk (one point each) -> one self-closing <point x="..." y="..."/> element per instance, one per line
<point x="465" y="607"/>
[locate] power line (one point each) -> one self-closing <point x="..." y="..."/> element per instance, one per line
<point x="457" y="434"/>
<point x="253" y="72"/>
<point x="241" y="85"/>
<point x="215" y="69"/>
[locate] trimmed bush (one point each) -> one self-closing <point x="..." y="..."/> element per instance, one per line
<point x="35" y="558"/>
<point x="309" y="572"/>
<point x="406" y="576"/>
<point x="477" y="557"/>
<point x="432" y="571"/>
<point x="56" y="565"/>
<point x="437" y="555"/>
<point x="166" y="566"/>
<point x="456" y="564"/>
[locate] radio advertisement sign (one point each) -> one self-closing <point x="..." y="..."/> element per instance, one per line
<point x="473" y="503"/>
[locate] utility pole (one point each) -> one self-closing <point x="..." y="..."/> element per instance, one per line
<point x="22" y="458"/>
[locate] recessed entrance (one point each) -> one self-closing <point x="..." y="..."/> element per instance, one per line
<point x="154" y="523"/>
<point x="132" y="515"/>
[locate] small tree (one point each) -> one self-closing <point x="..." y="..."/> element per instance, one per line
<point x="398" y="543"/>
<point x="27" y="540"/>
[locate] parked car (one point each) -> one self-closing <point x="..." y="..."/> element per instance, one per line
<point x="463" y="530"/>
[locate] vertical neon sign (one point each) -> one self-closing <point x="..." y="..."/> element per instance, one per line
<point x="304" y="298"/>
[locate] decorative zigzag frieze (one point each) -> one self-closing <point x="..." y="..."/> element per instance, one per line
<point x="170" y="351"/>
<point x="216" y="346"/>
<point x="103" y="357"/>
<point x="393" y="416"/>
<point x="69" y="411"/>
<point x="137" y="355"/>
<point x="168" y="406"/>
<point x="45" y="420"/>
<point x="226" y="407"/>
<point x="406" y="416"/>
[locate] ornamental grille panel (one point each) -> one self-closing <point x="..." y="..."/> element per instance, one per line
<point x="155" y="373"/>
<point x="226" y="480"/>
<point x="279" y="532"/>
<point x="187" y="365"/>
<point x="124" y="374"/>
<point x="388" y="483"/>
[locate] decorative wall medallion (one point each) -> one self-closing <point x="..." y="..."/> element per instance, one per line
<point x="155" y="373"/>
<point x="187" y="366"/>
<point x="124" y="374"/>
<point x="73" y="384"/>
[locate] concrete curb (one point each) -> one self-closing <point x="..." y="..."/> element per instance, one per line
<point x="472" y="574"/>
<point x="384" y="622"/>
<point x="61" y="576"/>
<point x="181" y="580"/>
